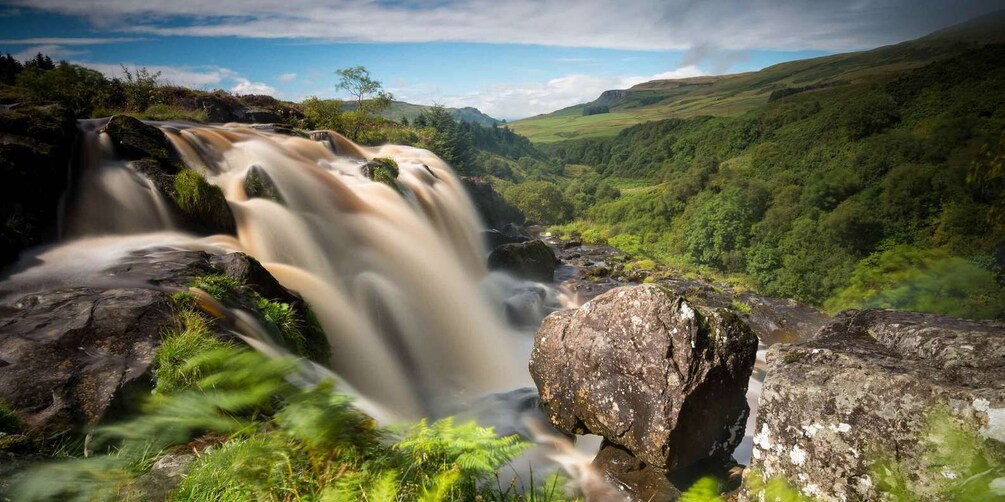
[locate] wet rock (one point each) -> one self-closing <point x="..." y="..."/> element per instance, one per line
<point x="648" y="370"/>
<point x="36" y="142"/>
<point x="531" y="260"/>
<point x="75" y="355"/>
<point x="643" y="481"/>
<point x="201" y="204"/>
<point x="69" y="353"/>
<point x="135" y="140"/>
<point x="860" y="390"/>
<point x="494" y="238"/>
<point x="493" y="209"/>
<point x="526" y="306"/>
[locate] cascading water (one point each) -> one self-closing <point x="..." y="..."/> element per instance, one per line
<point x="395" y="279"/>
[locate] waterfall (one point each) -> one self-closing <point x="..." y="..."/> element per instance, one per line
<point x="395" y="279"/>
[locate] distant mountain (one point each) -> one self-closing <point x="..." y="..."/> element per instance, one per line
<point x="735" y="94"/>
<point x="399" y="109"/>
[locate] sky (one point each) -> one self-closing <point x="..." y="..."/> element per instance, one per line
<point x="508" y="58"/>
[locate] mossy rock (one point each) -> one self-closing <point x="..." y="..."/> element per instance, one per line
<point x="9" y="422"/>
<point x="202" y="203"/>
<point x="382" y="170"/>
<point x="258" y="184"/>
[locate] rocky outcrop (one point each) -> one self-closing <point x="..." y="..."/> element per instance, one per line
<point x="590" y="270"/>
<point x="531" y="260"/>
<point x="859" y="391"/>
<point x="74" y="355"/>
<point x="508" y="234"/>
<point x="651" y="372"/>
<point x="202" y="205"/>
<point x="493" y="209"/>
<point x="36" y="144"/>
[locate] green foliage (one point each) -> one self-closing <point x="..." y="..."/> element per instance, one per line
<point x="706" y="489"/>
<point x="140" y="88"/>
<point x="283" y="442"/>
<point x="958" y="464"/>
<point x="908" y="278"/>
<point x="540" y="201"/>
<point x="322" y="113"/>
<point x="191" y="335"/>
<point x="369" y="95"/>
<point x="79" y="89"/>
<point x="776" y="489"/>
<point x="798" y="191"/>
<point x="473" y="452"/>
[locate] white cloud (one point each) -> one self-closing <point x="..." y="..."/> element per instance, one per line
<point x="513" y="101"/>
<point x="68" y="41"/>
<point x="245" y="86"/>
<point x="624" y="24"/>
<point x="196" y="77"/>
<point x="287" y="77"/>
<point x="56" y="52"/>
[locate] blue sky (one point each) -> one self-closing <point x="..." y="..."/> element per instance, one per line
<point x="510" y="59"/>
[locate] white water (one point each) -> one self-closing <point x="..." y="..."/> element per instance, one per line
<point x="397" y="281"/>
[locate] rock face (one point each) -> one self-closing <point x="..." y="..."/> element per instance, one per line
<point x="590" y="270"/>
<point x="531" y="260"/>
<point x="202" y="205"/>
<point x="36" y="142"/>
<point x="860" y="389"/>
<point x="649" y="371"/>
<point x="493" y="209"/>
<point x="71" y="356"/>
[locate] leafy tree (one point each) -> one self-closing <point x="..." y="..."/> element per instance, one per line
<point x="540" y="201"/>
<point x="369" y="95"/>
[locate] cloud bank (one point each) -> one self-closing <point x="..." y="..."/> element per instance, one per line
<point x="618" y="24"/>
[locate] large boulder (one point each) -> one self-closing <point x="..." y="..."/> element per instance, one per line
<point x="859" y="391"/>
<point x="201" y="204"/>
<point x="650" y="371"/>
<point x="36" y="143"/>
<point x="531" y="260"/>
<point x="493" y="209"/>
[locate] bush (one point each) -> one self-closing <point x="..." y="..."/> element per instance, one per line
<point x="907" y="278"/>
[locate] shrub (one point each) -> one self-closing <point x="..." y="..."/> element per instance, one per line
<point x="540" y="201"/>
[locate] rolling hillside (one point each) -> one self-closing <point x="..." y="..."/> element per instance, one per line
<point x="401" y="109"/>
<point x="730" y="95"/>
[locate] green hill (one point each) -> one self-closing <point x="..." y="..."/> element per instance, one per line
<point x="866" y="179"/>
<point x="401" y="109"/>
<point x="731" y="95"/>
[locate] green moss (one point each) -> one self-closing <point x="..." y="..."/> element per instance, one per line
<point x="382" y="170"/>
<point x="295" y="325"/>
<point x="258" y="184"/>
<point x="742" y="306"/>
<point x="222" y="287"/>
<point x="201" y="202"/>
<point x="793" y="357"/>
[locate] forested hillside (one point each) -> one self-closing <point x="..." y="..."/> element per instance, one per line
<point x="885" y="192"/>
